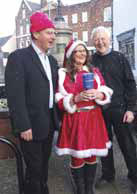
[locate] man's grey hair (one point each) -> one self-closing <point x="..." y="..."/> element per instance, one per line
<point x="100" y="29"/>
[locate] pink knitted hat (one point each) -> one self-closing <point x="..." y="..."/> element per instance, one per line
<point x="40" y="21"/>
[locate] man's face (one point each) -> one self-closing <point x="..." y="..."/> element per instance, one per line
<point x="45" y="38"/>
<point x="101" y="42"/>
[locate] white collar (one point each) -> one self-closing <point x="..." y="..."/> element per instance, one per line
<point x="38" y="51"/>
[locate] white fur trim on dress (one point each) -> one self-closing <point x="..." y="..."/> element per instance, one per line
<point x="96" y="77"/>
<point x="108" y="93"/>
<point x="73" y="46"/>
<point x="63" y="94"/>
<point x="83" y="153"/>
<point x="68" y="107"/>
<point x="62" y="74"/>
<point x="58" y="97"/>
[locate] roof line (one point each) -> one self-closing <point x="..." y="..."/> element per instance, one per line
<point x="27" y="5"/>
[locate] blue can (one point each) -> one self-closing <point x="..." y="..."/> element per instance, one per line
<point x="88" y="79"/>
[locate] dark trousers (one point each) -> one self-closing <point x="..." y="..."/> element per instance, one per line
<point x="124" y="133"/>
<point x="36" y="155"/>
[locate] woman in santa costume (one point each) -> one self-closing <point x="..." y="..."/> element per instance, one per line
<point x="83" y="133"/>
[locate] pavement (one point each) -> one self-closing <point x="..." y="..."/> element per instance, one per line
<point x="60" y="181"/>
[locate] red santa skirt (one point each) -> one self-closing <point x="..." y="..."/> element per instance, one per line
<point x="83" y="134"/>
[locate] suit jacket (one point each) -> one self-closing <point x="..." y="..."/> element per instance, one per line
<point x="27" y="88"/>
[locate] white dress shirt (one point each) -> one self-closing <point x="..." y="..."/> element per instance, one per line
<point x="46" y="65"/>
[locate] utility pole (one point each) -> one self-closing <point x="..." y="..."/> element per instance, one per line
<point x="49" y="7"/>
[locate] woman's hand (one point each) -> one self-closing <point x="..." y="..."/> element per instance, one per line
<point x="80" y="97"/>
<point x="93" y="94"/>
<point x="87" y="95"/>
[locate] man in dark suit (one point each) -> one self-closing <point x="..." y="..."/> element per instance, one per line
<point x="30" y="78"/>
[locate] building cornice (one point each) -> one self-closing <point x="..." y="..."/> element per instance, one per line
<point x="24" y="35"/>
<point x="27" y="5"/>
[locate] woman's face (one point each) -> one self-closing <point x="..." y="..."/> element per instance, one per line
<point x="80" y="56"/>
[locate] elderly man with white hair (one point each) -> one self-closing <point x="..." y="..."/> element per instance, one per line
<point x="119" y="115"/>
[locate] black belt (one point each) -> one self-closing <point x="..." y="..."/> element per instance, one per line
<point x="86" y="108"/>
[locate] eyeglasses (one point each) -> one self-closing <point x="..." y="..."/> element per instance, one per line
<point x="99" y="39"/>
<point x="51" y="33"/>
<point x="80" y="51"/>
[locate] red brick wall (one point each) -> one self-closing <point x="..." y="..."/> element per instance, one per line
<point x="95" y="9"/>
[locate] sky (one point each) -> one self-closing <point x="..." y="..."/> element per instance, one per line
<point x="9" y="10"/>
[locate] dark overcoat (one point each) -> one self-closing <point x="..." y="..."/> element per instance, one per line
<point x="28" y="91"/>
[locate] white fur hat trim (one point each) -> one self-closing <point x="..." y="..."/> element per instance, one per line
<point x="73" y="46"/>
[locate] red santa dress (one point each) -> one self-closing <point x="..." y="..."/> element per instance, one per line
<point x="83" y="133"/>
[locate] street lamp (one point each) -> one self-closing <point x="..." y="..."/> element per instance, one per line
<point x="59" y="16"/>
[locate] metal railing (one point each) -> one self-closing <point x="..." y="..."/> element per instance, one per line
<point x="19" y="162"/>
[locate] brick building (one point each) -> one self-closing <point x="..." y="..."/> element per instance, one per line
<point x="22" y="22"/>
<point x="82" y="18"/>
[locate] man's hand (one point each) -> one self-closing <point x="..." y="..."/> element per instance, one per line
<point x="26" y="135"/>
<point x="128" y="117"/>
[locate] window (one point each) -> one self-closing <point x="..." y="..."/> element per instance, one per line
<point x="74" y="18"/>
<point x="21" y="44"/>
<point x="85" y="36"/>
<point x="84" y="16"/>
<point x="27" y="28"/>
<point x="23" y="13"/>
<point x="27" y="42"/>
<point x="111" y="38"/>
<point x="21" y="30"/>
<point x="107" y="14"/>
<point x="1" y="55"/>
<point x="127" y="48"/>
<point x="75" y="35"/>
<point x="110" y="30"/>
<point x="61" y="48"/>
<point x="126" y="42"/>
<point x="66" y="19"/>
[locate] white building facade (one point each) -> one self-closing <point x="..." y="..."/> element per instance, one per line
<point x="125" y="30"/>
